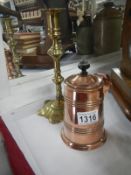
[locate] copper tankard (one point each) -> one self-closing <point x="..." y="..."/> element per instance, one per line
<point x="83" y="114"/>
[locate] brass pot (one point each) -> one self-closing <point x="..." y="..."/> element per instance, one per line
<point x="83" y="114"/>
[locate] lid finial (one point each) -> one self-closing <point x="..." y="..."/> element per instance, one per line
<point x="83" y="65"/>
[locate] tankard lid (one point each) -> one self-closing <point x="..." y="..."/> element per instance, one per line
<point x="84" y="80"/>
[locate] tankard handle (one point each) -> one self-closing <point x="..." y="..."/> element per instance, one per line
<point x="84" y="65"/>
<point x="107" y="82"/>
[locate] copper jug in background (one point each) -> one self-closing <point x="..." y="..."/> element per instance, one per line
<point x="83" y="114"/>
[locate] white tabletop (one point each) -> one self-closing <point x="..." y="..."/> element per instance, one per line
<point x="45" y="151"/>
<point x="41" y="143"/>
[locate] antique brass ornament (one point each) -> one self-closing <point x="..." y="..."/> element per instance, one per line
<point x="8" y="31"/>
<point x="54" y="109"/>
<point x="10" y="65"/>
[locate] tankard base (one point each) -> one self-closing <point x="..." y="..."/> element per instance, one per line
<point x="83" y="147"/>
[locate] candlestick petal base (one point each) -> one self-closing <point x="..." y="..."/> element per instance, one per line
<point x="53" y="110"/>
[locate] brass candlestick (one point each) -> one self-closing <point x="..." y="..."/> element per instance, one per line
<point x="12" y="43"/>
<point x="10" y="65"/>
<point x="54" y="109"/>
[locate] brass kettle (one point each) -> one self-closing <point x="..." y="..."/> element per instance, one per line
<point x="83" y="114"/>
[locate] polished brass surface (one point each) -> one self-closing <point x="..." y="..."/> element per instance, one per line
<point x="54" y="109"/>
<point x="10" y="65"/>
<point x="83" y="114"/>
<point x="8" y="32"/>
